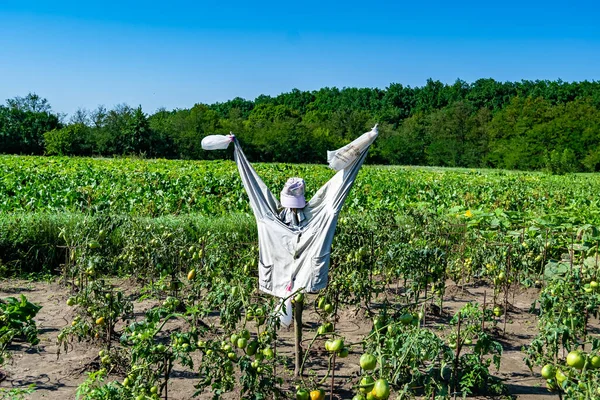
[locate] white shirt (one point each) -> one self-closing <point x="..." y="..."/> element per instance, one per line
<point x="294" y="249"/>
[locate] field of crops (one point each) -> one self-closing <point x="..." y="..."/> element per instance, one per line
<point x="443" y="282"/>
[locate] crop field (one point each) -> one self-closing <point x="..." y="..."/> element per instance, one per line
<point x="138" y="279"/>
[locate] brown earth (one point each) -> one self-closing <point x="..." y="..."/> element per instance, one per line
<point x="58" y="378"/>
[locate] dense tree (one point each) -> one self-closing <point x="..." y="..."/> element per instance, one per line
<point x="23" y="122"/>
<point x="539" y="124"/>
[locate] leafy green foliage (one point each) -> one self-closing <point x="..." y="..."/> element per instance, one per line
<point x="16" y="321"/>
<point x="513" y="125"/>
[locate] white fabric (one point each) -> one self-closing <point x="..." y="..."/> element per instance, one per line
<point x="296" y="255"/>
<point x="292" y="195"/>
<point x="341" y="158"/>
<point x="216" y="142"/>
<point x="285" y="313"/>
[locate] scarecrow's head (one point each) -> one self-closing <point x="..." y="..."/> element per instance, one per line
<point x="292" y="195"/>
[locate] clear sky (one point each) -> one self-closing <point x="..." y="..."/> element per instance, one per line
<point x="174" y="54"/>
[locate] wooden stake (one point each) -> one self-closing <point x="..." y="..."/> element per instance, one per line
<point x="298" y="307"/>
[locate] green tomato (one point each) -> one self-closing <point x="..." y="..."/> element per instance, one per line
<point x="251" y="348"/>
<point x="299" y="298"/>
<point x="548" y="371"/>
<point x="302" y="394"/>
<point x="381" y="389"/>
<point x="366" y="384"/>
<point x="343" y="353"/>
<point x="406" y="319"/>
<point x="576" y="360"/>
<point x="234" y="338"/>
<point x="337" y="345"/>
<point x="242" y="343"/>
<point x="368" y="362"/>
<point x="268" y="353"/>
<point x="560" y="377"/>
<point x="321" y="303"/>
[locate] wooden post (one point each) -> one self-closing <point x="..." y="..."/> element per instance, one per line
<point x="298" y="307"/>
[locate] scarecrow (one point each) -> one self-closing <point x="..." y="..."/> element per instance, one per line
<point x="295" y="236"/>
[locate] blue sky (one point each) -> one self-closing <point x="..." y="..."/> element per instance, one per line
<point x="175" y="54"/>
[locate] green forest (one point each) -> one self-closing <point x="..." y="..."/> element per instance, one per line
<point x="528" y="125"/>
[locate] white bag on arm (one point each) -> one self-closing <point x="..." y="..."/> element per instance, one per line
<point x="216" y="142"/>
<point x="285" y="316"/>
<point x="342" y="158"/>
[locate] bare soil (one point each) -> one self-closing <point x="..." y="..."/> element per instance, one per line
<point x="58" y="377"/>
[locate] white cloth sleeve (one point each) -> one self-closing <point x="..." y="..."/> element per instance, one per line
<point x="335" y="191"/>
<point x="262" y="200"/>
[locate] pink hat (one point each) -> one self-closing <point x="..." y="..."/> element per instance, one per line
<point x="292" y="195"/>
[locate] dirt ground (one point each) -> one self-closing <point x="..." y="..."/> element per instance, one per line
<point x="58" y="378"/>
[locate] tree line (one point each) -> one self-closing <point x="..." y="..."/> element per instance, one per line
<point x="529" y="125"/>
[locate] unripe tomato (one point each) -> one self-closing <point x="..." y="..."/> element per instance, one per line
<point x="368" y="362"/>
<point x="251" y="348"/>
<point x="302" y="394"/>
<point x="234" y="338"/>
<point x="321" y="302"/>
<point x="576" y="360"/>
<point x="366" y="384"/>
<point x="381" y="389"/>
<point x="337" y="345"/>
<point x="560" y="377"/>
<point x="268" y="353"/>
<point x="406" y="319"/>
<point x="548" y="371"/>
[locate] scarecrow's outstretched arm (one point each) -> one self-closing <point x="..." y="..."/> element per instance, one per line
<point x="262" y="200"/>
<point x="334" y="192"/>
